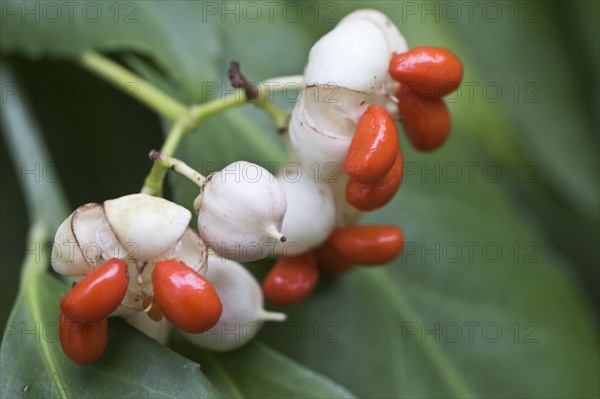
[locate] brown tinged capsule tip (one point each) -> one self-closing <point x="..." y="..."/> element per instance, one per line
<point x="238" y="80"/>
<point x="152" y="309"/>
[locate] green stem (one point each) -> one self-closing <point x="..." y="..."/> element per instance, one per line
<point x="279" y="117"/>
<point x="186" y="118"/>
<point x="153" y="185"/>
<point x="197" y="114"/>
<point x="178" y="166"/>
<point x="133" y="85"/>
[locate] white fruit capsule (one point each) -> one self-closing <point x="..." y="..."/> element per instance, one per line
<point x="354" y="55"/>
<point x="346" y="214"/>
<point x="310" y="215"/>
<point x="67" y="258"/>
<point x="395" y="40"/>
<point x="396" y="44"/>
<point x="321" y="130"/>
<point x="147" y="226"/>
<point x="240" y="212"/>
<point x="139" y="229"/>
<point x="190" y="249"/>
<point x="242" y="300"/>
<point x="95" y="235"/>
<point x="159" y="330"/>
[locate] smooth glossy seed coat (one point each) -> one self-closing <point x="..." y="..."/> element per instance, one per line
<point x="82" y="343"/>
<point x="368" y="197"/>
<point x="368" y="245"/>
<point x="430" y="71"/>
<point x="329" y="260"/>
<point x="374" y="146"/>
<point x="426" y="121"/>
<point x="291" y="279"/>
<point x="98" y="294"/>
<point x="186" y="298"/>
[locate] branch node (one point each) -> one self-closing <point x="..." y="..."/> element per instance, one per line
<point x="238" y="80"/>
<point x="156" y="155"/>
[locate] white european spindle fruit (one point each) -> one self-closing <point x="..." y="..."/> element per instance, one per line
<point x="138" y="228"/>
<point x="310" y="215"/>
<point x="147" y="226"/>
<point x="67" y="257"/>
<point x="321" y="130"/>
<point x="346" y="214"/>
<point x="395" y="41"/>
<point x="240" y="212"/>
<point x="190" y="249"/>
<point x="346" y="71"/>
<point x="158" y="330"/>
<point x="396" y="44"/>
<point x="242" y="300"/>
<point x="354" y="55"/>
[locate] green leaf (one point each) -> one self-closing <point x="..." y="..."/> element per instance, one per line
<point x="393" y="332"/>
<point x="445" y="321"/>
<point x="174" y="37"/>
<point x="31" y="360"/>
<point x="32" y="363"/>
<point x="365" y="330"/>
<point x="41" y="369"/>
<point x="520" y="97"/>
<point x="540" y="90"/>
<point x="45" y="200"/>
<point x="256" y="371"/>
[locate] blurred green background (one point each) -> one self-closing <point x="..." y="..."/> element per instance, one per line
<point x="529" y="107"/>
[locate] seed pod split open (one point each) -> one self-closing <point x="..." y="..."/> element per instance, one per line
<point x="87" y="239"/>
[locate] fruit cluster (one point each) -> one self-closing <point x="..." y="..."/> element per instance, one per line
<point x="136" y="257"/>
<point x="365" y="59"/>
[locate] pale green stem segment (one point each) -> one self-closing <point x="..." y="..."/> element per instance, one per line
<point x="133" y="85"/>
<point x="280" y="118"/>
<point x="154" y="181"/>
<point x="185" y="118"/>
<point x="160" y="158"/>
